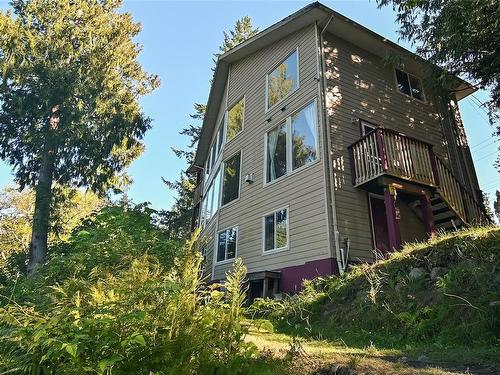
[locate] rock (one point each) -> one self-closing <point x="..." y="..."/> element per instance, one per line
<point x="423" y="358"/>
<point x="402" y="360"/>
<point x="417" y="273"/>
<point x="438" y="272"/>
<point x="342" y="370"/>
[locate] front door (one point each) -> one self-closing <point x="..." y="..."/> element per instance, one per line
<point x="379" y="224"/>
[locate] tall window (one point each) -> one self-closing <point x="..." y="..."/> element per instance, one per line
<point x="235" y="117"/>
<point x="409" y="85"/>
<point x="276" y="230"/>
<point x="283" y="80"/>
<point x="211" y="201"/>
<point x="231" y="180"/>
<point x="226" y="244"/>
<point x="292" y="144"/>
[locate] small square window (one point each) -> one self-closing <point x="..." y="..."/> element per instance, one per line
<point x="409" y="85"/>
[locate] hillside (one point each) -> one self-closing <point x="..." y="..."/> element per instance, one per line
<point x="437" y="300"/>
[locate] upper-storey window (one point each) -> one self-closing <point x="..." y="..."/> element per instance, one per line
<point x="214" y="151"/>
<point x="283" y="80"/>
<point x="292" y="144"/>
<point x="235" y="117"/>
<point x="231" y="179"/>
<point x="409" y="85"/>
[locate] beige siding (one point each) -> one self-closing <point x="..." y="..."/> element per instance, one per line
<point x="303" y="191"/>
<point x="361" y="86"/>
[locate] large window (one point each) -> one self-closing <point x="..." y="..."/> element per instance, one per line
<point x="283" y="80"/>
<point x="409" y="85"/>
<point x="276" y="230"/>
<point x="231" y="180"/>
<point x="214" y="151"/>
<point x="292" y="144"/>
<point x="235" y="118"/>
<point x="211" y="201"/>
<point x="226" y="244"/>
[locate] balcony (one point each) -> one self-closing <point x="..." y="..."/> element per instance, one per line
<point x="384" y="157"/>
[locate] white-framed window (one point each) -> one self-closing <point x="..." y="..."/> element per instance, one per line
<point x="231" y="179"/>
<point x="214" y="151"/>
<point x="292" y="144"/>
<point x="409" y="85"/>
<point x="226" y="245"/>
<point x="282" y="80"/>
<point x="235" y="119"/>
<point x="276" y="231"/>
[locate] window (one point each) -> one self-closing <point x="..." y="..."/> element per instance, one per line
<point x="210" y="203"/>
<point x="231" y="180"/>
<point x="367" y="127"/>
<point x="409" y="85"/>
<point x="292" y="144"/>
<point x="235" y="117"/>
<point x="226" y="244"/>
<point x="276" y="230"/>
<point x="283" y="80"/>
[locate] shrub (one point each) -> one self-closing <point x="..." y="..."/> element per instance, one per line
<point x="136" y="319"/>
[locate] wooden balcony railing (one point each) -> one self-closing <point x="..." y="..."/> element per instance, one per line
<point x="390" y="153"/>
<point x="386" y="152"/>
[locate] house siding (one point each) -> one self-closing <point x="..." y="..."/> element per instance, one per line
<point x="303" y="191"/>
<point x="361" y="87"/>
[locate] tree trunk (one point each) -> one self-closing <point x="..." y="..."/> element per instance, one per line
<point x="43" y="198"/>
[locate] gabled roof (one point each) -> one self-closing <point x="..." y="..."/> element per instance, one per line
<point x="340" y="26"/>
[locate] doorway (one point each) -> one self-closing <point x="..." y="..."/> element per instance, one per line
<point x="380" y="232"/>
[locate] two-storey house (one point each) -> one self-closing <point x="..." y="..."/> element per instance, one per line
<point x="317" y="150"/>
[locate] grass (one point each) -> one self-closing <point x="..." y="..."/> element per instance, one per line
<point x="376" y="314"/>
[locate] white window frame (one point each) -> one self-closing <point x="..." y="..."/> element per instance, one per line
<point x="423" y="100"/>
<point x="222" y="179"/>
<point x="203" y="220"/>
<point x="226" y="119"/>
<point x="279" y="249"/>
<point x="368" y="124"/>
<point x="289" y="147"/>
<point x="216" y="246"/>
<point x="296" y="50"/>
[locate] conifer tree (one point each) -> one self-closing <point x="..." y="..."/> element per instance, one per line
<point x="178" y="218"/>
<point x="69" y="110"/>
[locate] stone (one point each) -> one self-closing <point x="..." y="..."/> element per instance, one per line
<point x="417" y="273"/>
<point x="438" y="272"/>
<point x="423" y="358"/>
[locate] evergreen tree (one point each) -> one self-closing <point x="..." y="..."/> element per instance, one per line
<point x="496" y="205"/>
<point x="461" y="36"/>
<point x="69" y="111"/>
<point x="178" y="218"/>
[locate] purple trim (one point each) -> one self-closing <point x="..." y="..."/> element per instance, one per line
<point x="292" y="277"/>
<point x="392" y="222"/>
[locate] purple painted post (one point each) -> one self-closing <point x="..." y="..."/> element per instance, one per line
<point x="428" y="217"/>
<point x="381" y="149"/>
<point x="392" y="222"/>
<point x="353" y="167"/>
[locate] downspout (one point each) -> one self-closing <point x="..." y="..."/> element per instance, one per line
<point x="328" y="154"/>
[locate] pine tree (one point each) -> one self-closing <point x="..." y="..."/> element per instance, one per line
<point x="69" y="110"/>
<point x="178" y="219"/>
<point x="496" y="205"/>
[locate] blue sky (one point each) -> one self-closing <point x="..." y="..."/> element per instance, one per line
<point x="179" y="40"/>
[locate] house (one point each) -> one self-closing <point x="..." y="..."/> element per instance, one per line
<point x="322" y="145"/>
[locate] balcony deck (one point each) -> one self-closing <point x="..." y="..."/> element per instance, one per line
<point x="384" y="153"/>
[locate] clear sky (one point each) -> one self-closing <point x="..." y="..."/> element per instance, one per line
<point x="179" y="40"/>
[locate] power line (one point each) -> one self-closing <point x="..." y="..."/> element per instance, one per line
<point x="486" y="140"/>
<point x="485" y="156"/>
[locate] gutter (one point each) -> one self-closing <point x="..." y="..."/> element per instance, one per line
<point x="326" y="129"/>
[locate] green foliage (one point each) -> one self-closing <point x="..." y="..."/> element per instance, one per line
<point x="462" y="36"/>
<point x="69" y="207"/>
<point x="77" y="59"/>
<point x="113" y="299"/>
<point x="380" y="303"/>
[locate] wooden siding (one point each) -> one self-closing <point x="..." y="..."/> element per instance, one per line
<point x="361" y="86"/>
<point x="303" y="191"/>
